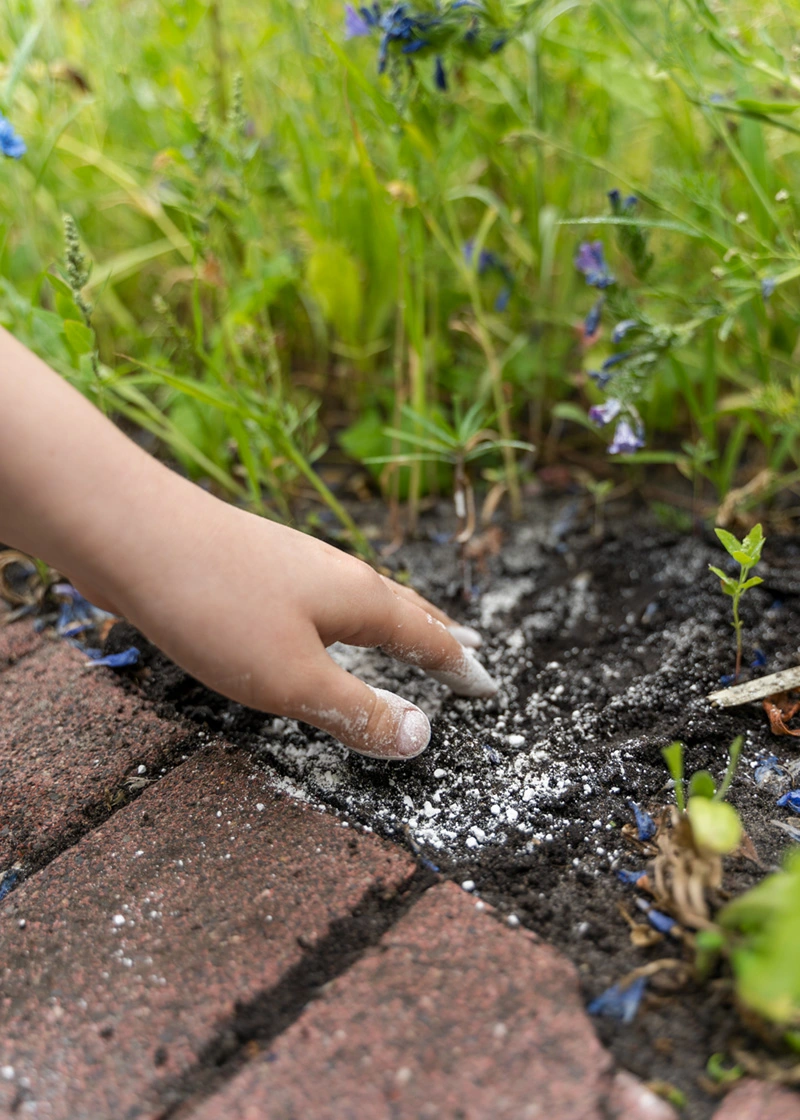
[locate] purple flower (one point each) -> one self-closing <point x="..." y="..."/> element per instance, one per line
<point x="355" y="25"/>
<point x="603" y="414"/>
<point x="591" y="262"/>
<point x="617" y="1003"/>
<point x="621" y="329"/>
<point x="592" y="320"/>
<point x="626" y="440"/>
<point x="10" y="143"/>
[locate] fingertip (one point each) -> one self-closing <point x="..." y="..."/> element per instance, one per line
<point x="469" y="679"/>
<point x="466" y="636"/>
<point x="413" y="734"/>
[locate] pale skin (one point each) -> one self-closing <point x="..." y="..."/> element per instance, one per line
<point x="243" y="604"/>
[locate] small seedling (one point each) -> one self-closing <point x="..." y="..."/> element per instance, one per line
<point x="746" y="553"/>
<point x="703" y="828"/>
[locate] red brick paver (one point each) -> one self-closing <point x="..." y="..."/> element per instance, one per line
<point x="452" y="1015"/>
<point x="16" y="641"/>
<point x="757" y="1100"/>
<point x="69" y="737"/>
<point x="139" y="941"/>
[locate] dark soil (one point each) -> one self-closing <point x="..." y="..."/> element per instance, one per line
<point x="605" y="652"/>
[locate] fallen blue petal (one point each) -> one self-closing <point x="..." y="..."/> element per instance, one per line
<point x="790" y="800"/>
<point x="630" y="877"/>
<point x="494" y="756"/>
<point x="726" y="679"/>
<point x="426" y="863"/>
<point x="615" y="1003"/>
<point x="768" y="766"/>
<point x="759" y="660"/>
<point x="121" y="660"/>
<point x="662" y="922"/>
<point x="8" y="881"/>
<point x="644" y="822"/>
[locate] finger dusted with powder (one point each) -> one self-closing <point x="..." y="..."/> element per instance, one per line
<point x="369" y="720"/>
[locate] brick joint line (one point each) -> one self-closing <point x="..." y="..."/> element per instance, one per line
<point x="263" y="1019"/>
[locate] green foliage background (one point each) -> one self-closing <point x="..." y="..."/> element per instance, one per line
<point x="263" y="244"/>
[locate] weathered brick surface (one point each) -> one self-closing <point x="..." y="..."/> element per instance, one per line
<point x="139" y="941"/>
<point x="757" y="1100"/>
<point x="16" y="641"/>
<point x="69" y="738"/>
<point x="452" y="1015"/>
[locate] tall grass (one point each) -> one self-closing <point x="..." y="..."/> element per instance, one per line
<point x="279" y="235"/>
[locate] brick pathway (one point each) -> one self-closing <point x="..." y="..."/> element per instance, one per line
<point x="215" y="949"/>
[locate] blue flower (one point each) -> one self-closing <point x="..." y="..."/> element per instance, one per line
<point x="601" y="379"/>
<point x="791" y="800"/>
<point x="439" y="75"/>
<point x="490" y="262"/>
<point x="357" y="24"/>
<point x="603" y="414"/>
<point x="620" y="207"/>
<point x="644" y="822"/>
<point x="621" y="329"/>
<point x="615" y="359"/>
<point x="11" y="144"/>
<point x="591" y="262"/>
<point x="768" y="285"/>
<point x="626" y="440"/>
<point x="592" y="320"/>
<point x="617" y="1003"/>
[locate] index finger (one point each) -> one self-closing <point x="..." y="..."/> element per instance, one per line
<point x="464" y="634"/>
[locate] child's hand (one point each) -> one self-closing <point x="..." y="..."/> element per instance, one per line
<point x="248" y="606"/>
<point x="245" y="605"/>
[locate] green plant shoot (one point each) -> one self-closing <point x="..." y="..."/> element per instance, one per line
<point x="716" y="827"/>
<point x="746" y="553"/>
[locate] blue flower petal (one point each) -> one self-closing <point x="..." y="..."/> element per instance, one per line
<point x="439" y="76"/>
<point x="121" y="660"/>
<point x="615" y="1003"/>
<point x="8" y="882"/>
<point x="644" y="822"/>
<point x="630" y="877"/>
<point x="790" y="800"/>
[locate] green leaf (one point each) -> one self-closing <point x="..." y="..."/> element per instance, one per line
<point x="743" y="558"/>
<point x="754" y="581"/>
<point x="728" y="540"/>
<point x="715" y="825"/>
<point x="729" y="585"/>
<point x="79" y="336"/>
<point x="771" y="108"/>
<point x="673" y="756"/>
<point x="702" y="784"/>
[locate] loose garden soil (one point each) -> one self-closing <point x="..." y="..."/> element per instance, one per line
<point x="605" y="651"/>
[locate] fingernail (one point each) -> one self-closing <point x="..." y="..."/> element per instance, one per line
<point x="471" y="679"/>
<point x="413" y="734"/>
<point x="466" y="635"/>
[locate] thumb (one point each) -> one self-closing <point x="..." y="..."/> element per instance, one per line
<point x="369" y="720"/>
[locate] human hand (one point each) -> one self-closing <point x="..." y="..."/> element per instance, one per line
<point x="245" y="605"/>
<point x="248" y="607"/>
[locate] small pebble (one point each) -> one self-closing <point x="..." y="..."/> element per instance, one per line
<point x="22" y="923"/>
<point x="118" y="920"/>
<point x="260" y="807"/>
<point x="513" y="920"/>
<point x="7" y="1073"/>
<point x="468" y="885"/>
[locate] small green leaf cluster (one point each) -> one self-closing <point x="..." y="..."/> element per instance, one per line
<point x="759" y="933"/>
<point x="716" y="827"/>
<point x="747" y="554"/>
